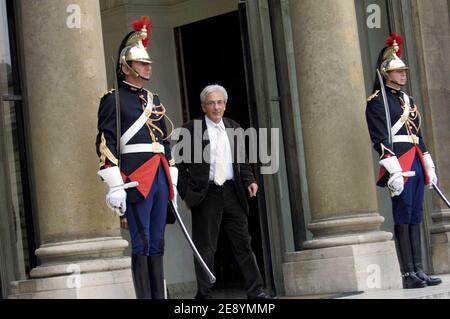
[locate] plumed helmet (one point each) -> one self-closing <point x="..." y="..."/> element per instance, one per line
<point x="391" y="56"/>
<point x="134" y="46"/>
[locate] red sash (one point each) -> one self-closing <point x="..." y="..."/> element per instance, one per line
<point x="145" y="175"/>
<point x="406" y="161"/>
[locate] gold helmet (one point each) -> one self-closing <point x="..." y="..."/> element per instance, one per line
<point x="136" y="44"/>
<point x="391" y="56"/>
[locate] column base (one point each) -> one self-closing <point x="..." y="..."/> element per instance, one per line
<point x="114" y="284"/>
<point x="351" y="268"/>
<point x="79" y="269"/>
<point x="440" y="241"/>
<point x="440" y="251"/>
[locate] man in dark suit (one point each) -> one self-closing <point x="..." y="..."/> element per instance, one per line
<point x="215" y="189"/>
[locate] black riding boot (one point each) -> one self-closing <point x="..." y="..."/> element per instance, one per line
<point x="141" y="279"/>
<point x="414" y="233"/>
<point x="156" y="273"/>
<point x="410" y="279"/>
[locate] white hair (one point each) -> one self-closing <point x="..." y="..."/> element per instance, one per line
<point x="213" y="88"/>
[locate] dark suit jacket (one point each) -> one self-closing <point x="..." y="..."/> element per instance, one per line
<point x="193" y="179"/>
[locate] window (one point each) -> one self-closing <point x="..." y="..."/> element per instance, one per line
<point x="16" y="228"/>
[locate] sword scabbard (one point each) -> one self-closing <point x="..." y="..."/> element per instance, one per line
<point x="386" y="108"/>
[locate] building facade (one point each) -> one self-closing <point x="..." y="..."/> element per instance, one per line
<point x="301" y="67"/>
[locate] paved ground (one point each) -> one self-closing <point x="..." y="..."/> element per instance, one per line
<point x="441" y="291"/>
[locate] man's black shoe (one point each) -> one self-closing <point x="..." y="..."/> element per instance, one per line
<point x="202" y="297"/>
<point x="429" y="280"/>
<point x="261" y="295"/>
<point x="411" y="281"/>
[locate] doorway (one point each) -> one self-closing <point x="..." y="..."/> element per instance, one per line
<point x="210" y="52"/>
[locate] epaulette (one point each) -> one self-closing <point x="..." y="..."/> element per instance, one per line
<point x="107" y="92"/>
<point x="375" y="94"/>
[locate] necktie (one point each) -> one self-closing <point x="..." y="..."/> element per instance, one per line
<point x="219" y="172"/>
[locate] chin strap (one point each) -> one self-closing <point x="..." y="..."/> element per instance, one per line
<point x="136" y="74"/>
<point x="133" y="71"/>
<point x="396" y="83"/>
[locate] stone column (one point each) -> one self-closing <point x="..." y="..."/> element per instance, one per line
<point x="81" y="251"/>
<point x="348" y="251"/>
<point x="431" y="24"/>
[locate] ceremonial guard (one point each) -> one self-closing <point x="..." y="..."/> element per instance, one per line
<point x="136" y="162"/>
<point x="394" y="124"/>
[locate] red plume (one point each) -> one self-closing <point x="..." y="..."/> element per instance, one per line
<point x="139" y="24"/>
<point x="399" y="40"/>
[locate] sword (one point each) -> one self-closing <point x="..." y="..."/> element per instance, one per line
<point x="386" y="108"/>
<point x="118" y="128"/>
<point x="197" y="255"/>
<point x="441" y="195"/>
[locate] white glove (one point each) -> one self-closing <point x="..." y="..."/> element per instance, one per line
<point x="396" y="182"/>
<point x="174" y="177"/>
<point x="431" y="169"/>
<point x="116" y="197"/>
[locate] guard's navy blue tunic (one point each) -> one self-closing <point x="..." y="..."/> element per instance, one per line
<point x="146" y="204"/>
<point x="407" y="208"/>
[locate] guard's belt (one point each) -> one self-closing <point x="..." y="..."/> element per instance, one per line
<point x="406" y="139"/>
<point x="143" y="148"/>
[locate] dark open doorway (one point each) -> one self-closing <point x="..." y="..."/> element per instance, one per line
<point x="210" y="51"/>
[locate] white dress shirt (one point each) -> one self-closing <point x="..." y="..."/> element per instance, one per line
<point x="212" y="133"/>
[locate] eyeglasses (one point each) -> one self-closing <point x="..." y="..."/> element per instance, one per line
<point x="218" y="102"/>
